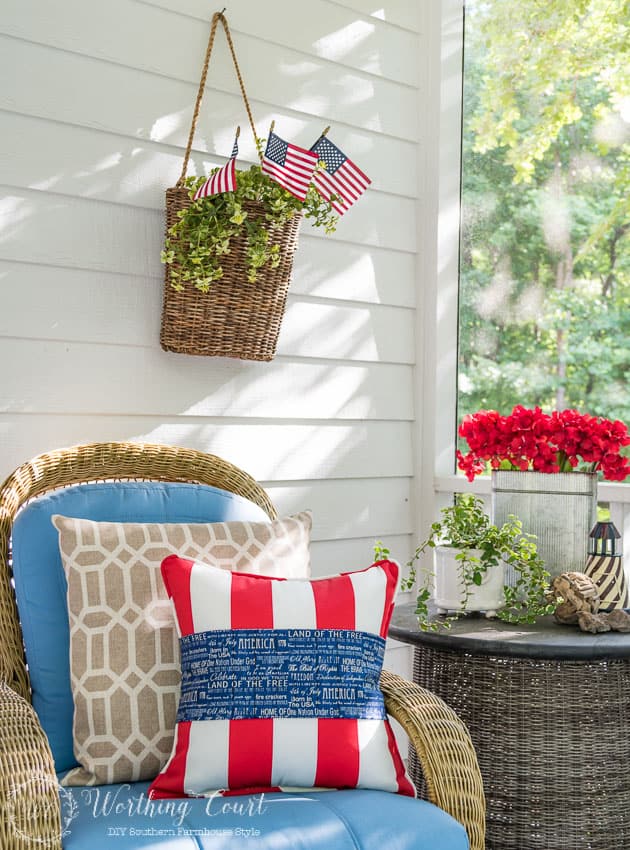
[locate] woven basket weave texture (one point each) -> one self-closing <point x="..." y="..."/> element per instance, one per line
<point x="235" y="318"/>
<point x="547" y="736"/>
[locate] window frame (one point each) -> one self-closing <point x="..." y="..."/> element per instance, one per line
<point x="438" y="258"/>
<point x="439" y="247"/>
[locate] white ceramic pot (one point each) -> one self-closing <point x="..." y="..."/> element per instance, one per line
<point x="449" y="590"/>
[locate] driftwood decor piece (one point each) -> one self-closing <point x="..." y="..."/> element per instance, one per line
<point x="580" y="605"/>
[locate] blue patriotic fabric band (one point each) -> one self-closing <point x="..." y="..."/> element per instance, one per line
<point x="281" y="673"/>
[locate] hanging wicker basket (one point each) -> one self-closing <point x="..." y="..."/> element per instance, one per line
<point x="235" y="318"/>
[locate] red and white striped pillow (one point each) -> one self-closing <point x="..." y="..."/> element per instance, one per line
<point x="280" y="682"/>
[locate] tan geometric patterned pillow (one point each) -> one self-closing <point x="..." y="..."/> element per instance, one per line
<point x="124" y="649"/>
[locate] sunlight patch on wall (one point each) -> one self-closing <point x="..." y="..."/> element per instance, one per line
<point x="165" y="128"/>
<point x="298" y="69"/>
<point x="292" y="452"/>
<point x="107" y="162"/>
<point x="13" y="211"/>
<point x="332" y="331"/>
<point x="337" y="45"/>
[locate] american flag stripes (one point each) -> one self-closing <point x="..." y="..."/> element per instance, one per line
<point x="272" y="749"/>
<point x="289" y="165"/>
<point x="341" y="177"/>
<point x="223" y="180"/>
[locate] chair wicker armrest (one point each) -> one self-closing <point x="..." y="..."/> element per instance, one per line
<point x="445" y="752"/>
<point x="30" y="817"/>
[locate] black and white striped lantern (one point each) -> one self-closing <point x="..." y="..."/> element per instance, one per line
<point x="604" y="566"/>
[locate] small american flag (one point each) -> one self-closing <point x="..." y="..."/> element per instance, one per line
<point x="341" y="177"/>
<point x="224" y="180"/>
<point x="289" y="165"/>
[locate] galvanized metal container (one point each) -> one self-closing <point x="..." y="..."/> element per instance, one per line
<point x="560" y="509"/>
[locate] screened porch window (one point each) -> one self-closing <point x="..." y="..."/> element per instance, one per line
<point x="544" y="303"/>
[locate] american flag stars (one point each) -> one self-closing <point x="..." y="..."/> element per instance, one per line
<point x="289" y="165"/>
<point x="341" y="182"/>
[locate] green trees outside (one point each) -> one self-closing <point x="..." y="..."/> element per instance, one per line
<point x="545" y="255"/>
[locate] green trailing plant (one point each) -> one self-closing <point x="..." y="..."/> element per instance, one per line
<point x="201" y="237"/>
<point x="464" y="525"/>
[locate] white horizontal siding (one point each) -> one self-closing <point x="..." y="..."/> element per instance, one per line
<point x="349" y="508"/>
<point x="273" y="73"/>
<point x="293" y="450"/>
<point x="375" y="225"/>
<point x="322" y="268"/>
<point x="400" y="13"/>
<point x="153" y="381"/>
<point x="332" y="556"/>
<point x="333" y="33"/>
<point x="136" y="162"/>
<point x="94" y="116"/>
<point x="126" y="311"/>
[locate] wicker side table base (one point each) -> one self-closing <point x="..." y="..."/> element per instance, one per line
<point x="553" y="743"/>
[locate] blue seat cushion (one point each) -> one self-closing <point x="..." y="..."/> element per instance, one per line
<point x="121" y="816"/>
<point x="40" y="584"/>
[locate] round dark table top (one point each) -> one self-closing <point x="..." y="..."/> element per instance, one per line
<point x="475" y="634"/>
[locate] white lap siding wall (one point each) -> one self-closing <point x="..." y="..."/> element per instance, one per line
<point x="94" y="116"/>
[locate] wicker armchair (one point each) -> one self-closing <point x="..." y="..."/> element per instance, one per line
<point x="31" y="818"/>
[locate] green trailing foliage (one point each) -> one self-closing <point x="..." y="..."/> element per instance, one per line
<point x="464" y="525"/>
<point x="202" y="236"/>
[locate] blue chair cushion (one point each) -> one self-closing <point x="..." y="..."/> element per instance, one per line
<point x="121" y="816"/>
<point x="40" y="584"/>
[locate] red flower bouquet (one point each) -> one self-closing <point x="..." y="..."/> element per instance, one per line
<point x="556" y="442"/>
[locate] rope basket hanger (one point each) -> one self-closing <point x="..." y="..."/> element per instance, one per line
<point x="218" y="16"/>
